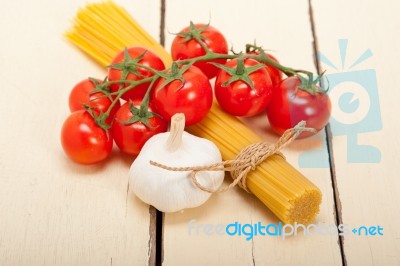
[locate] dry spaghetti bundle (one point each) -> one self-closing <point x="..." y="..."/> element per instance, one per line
<point x="101" y="30"/>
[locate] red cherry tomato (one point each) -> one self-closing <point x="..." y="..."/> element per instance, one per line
<point x="149" y="59"/>
<point x="193" y="97"/>
<point x="80" y="95"/>
<point x="184" y="46"/>
<point x="290" y="105"/>
<point x="83" y="140"/>
<point x="274" y="73"/>
<point x="238" y="98"/>
<point x="130" y="138"/>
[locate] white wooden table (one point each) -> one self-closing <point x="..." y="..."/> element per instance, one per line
<point x="54" y="212"/>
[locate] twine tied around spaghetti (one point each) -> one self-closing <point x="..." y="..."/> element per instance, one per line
<point x="247" y="160"/>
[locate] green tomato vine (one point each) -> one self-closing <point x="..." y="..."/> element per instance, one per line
<point x="175" y="72"/>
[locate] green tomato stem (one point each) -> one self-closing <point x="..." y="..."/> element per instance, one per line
<point x="176" y="71"/>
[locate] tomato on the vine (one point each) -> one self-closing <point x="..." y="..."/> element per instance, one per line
<point x="274" y="73"/>
<point x="291" y="104"/>
<point x="81" y="95"/>
<point x="123" y="67"/>
<point x="130" y="131"/>
<point x="83" y="140"/>
<point x="192" y="96"/>
<point x="186" y="45"/>
<point x="243" y="88"/>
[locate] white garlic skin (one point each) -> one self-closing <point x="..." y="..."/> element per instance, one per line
<point x="171" y="191"/>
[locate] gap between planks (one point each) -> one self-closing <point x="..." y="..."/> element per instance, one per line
<point x="328" y="134"/>
<point x="155" y="248"/>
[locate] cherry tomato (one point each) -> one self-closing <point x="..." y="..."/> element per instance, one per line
<point x="274" y="73"/>
<point x="238" y="98"/>
<point x="80" y="95"/>
<point x="117" y="69"/>
<point x="185" y="46"/>
<point x="290" y="105"/>
<point x="193" y="97"/>
<point x="83" y="140"/>
<point x="131" y="137"/>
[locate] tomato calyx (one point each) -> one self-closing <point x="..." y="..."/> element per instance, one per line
<point x="193" y="33"/>
<point x="240" y="72"/>
<point x="100" y="119"/>
<point x="311" y="86"/>
<point x="100" y="87"/>
<point x="141" y="115"/>
<point x="129" y="65"/>
<point x="176" y="73"/>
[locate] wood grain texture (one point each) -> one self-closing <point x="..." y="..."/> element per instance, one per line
<point x="55" y="212"/>
<point x="284" y="28"/>
<point x="369" y="192"/>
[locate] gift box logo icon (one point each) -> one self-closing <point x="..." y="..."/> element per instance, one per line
<point x="355" y="109"/>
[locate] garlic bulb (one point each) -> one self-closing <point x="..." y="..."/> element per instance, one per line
<point x="171" y="191"/>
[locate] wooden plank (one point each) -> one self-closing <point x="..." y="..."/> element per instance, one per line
<point x="284" y="28"/>
<point x="55" y="212"/>
<point x="368" y="190"/>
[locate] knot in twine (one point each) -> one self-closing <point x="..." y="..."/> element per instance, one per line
<point x="247" y="159"/>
